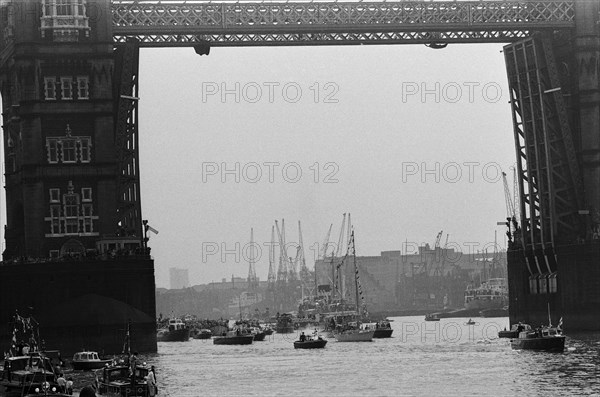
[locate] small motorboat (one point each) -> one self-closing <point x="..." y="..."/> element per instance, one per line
<point x="259" y="334"/>
<point x="431" y="317"/>
<point x="545" y="338"/>
<point x="310" y="343"/>
<point x="88" y="360"/>
<point x="383" y="329"/>
<point x="234" y="338"/>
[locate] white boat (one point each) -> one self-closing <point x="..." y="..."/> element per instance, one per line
<point x="354" y="331"/>
<point x="88" y="360"/>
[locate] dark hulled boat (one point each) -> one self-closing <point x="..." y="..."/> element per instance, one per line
<point x="542" y="339"/>
<point x="431" y="317"/>
<point x="310" y="343"/>
<point x="259" y="335"/>
<point x="285" y="324"/>
<point x="383" y="329"/>
<point x="21" y="375"/>
<point x="126" y="377"/>
<point x="176" y="331"/>
<point x="118" y="381"/>
<point x="383" y="333"/>
<point x="234" y="338"/>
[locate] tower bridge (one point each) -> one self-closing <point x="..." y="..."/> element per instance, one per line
<point x="334" y="23"/>
<point x="69" y="83"/>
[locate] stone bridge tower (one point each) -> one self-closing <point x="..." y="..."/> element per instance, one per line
<point x="74" y="224"/>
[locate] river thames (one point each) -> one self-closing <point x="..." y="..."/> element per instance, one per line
<point x="445" y="358"/>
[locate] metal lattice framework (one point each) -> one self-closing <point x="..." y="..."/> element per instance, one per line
<point x="333" y="23"/>
<point x="549" y="175"/>
<point x="129" y="217"/>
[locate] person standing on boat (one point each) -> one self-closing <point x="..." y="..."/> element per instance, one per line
<point x="70" y="386"/>
<point x="62" y="383"/>
<point x="152" y="389"/>
<point x="133" y="363"/>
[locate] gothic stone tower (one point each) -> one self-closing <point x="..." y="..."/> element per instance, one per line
<point x="59" y="77"/>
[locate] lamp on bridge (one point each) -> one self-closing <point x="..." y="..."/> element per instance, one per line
<point x="202" y="48"/>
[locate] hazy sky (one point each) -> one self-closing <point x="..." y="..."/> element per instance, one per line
<point x="408" y="139"/>
<point x="383" y="117"/>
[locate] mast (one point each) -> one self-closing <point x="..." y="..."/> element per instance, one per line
<point x="355" y="272"/>
<point x="349" y="230"/>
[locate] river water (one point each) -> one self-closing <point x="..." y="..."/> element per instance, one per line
<point x="445" y="358"/>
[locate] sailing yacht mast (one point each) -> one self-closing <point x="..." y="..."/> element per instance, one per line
<point x="355" y="272"/>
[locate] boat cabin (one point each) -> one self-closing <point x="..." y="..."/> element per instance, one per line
<point x="176" y="324"/>
<point x="22" y="370"/>
<point x="118" y="381"/>
<point x="86" y="356"/>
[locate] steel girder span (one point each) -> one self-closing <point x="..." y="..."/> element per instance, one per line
<point x="230" y="24"/>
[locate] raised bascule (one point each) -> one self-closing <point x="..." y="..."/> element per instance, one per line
<point x="68" y="78"/>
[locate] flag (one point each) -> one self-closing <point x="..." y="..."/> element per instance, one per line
<point x="150" y="228"/>
<point x="559" y="323"/>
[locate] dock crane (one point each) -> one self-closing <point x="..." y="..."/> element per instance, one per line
<point x="323" y="253"/>
<point x="252" y="279"/>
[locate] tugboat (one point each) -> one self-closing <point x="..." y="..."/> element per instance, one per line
<point x="127" y="377"/>
<point x="122" y="380"/>
<point x="176" y="331"/>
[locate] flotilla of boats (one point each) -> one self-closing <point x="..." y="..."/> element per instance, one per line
<point x="33" y="373"/>
<point x="28" y="370"/>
